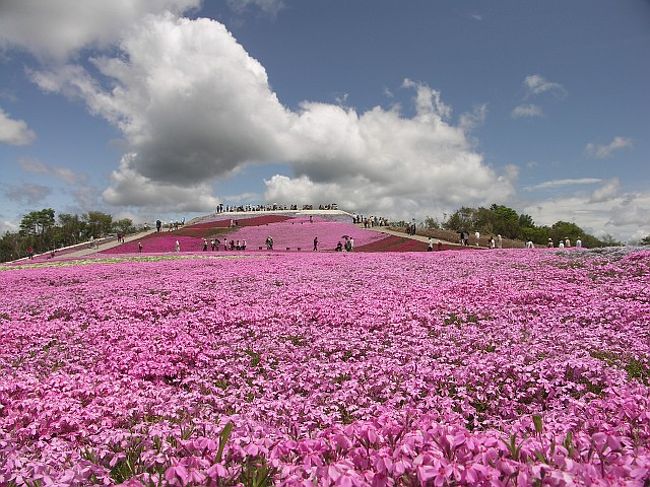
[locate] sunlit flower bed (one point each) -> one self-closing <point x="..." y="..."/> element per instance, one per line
<point x="294" y="233"/>
<point x="444" y="368"/>
<point x="300" y="232"/>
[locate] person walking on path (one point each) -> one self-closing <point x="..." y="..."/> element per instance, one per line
<point x="578" y="243"/>
<point x="477" y="236"/>
<point x="316" y="244"/>
<point x="177" y="246"/>
<point x="499" y="241"/>
<point x="430" y="244"/>
<point x="139" y="247"/>
<point x="158" y="225"/>
<point x="205" y="245"/>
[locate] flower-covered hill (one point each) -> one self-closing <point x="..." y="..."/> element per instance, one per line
<point x="300" y="232"/>
<point x="287" y="232"/>
<point x="450" y="368"/>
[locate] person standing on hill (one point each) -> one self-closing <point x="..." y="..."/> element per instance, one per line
<point x="499" y="241"/>
<point x="477" y="236"/>
<point x="140" y="247"/>
<point x="177" y="246"/>
<point x="205" y="245"/>
<point x="158" y="225"/>
<point x="578" y="243"/>
<point x="351" y="244"/>
<point x="430" y="244"/>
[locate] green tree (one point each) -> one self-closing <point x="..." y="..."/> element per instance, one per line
<point x="462" y="219"/>
<point x="71" y="229"/>
<point x="36" y="228"/>
<point x="125" y="225"/>
<point x="506" y="221"/>
<point x="430" y="222"/>
<point x="645" y="240"/>
<point x="98" y="224"/>
<point x="526" y="221"/>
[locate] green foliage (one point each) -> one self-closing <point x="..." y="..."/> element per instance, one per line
<point x="98" y="224"/>
<point x="645" y="240"/>
<point x="505" y="221"/>
<point x="432" y="223"/>
<point x="44" y="232"/>
<point x="125" y="225"/>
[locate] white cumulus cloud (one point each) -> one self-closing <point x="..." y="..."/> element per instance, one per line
<point x="536" y="84"/>
<point x="527" y="111"/>
<point x="14" y="132"/>
<point x="559" y="183"/>
<point x="603" y="151"/>
<point x="271" y="7"/>
<point x="55" y="29"/>
<point x="193" y="106"/>
<point x="35" y="166"/>
<point x="607" y="210"/>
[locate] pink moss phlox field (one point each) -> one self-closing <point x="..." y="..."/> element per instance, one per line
<point x="451" y="368"/>
<point x="156" y="243"/>
<point x="300" y="232"/>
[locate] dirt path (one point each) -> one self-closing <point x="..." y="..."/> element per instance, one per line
<point x="86" y="250"/>
<point x="419" y="238"/>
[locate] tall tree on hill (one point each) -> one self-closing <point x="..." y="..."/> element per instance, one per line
<point x="506" y="221"/>
<point x="36" y="228"/>
<point x="98" y="224"/>
<point x="462" y="219"/>
<point x="71" y="228"/>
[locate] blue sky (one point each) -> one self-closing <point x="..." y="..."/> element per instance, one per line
<point x="399" y="108"/>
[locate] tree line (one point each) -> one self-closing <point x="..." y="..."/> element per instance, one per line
<point x="44" y="231"/>
<point x="504" y="221"/>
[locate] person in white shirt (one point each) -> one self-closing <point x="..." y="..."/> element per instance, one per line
<point x="578" y="243"/>
<point x="499" y="241"/>
<point x="477" y="235"/>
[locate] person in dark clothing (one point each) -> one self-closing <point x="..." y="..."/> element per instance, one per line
<point x="315" y="244"/>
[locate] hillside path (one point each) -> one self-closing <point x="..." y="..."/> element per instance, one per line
<point x="85" y="251"/>
<point x="419" y="238"/>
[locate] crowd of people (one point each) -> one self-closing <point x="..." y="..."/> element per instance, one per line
<point x="221" y="208"/>
<point x="492" y="243"/>
<point x="370" y="221"/>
